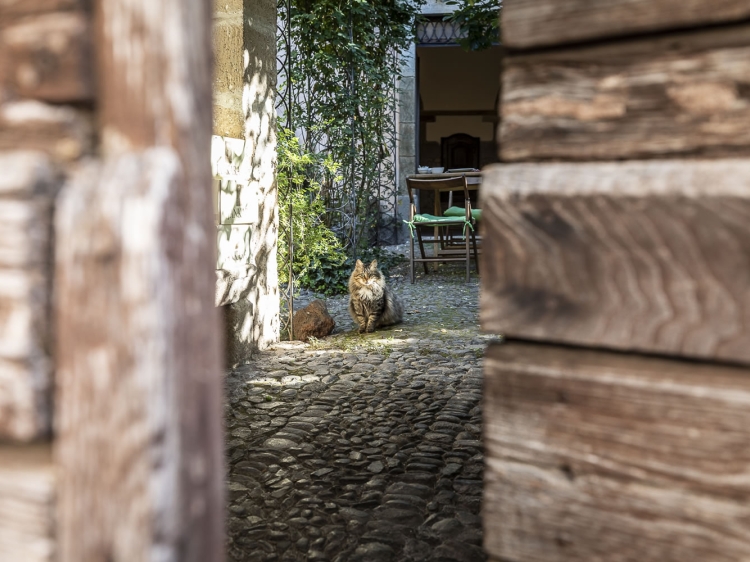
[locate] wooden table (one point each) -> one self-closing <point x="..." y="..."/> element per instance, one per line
<point x="472" y="178"/>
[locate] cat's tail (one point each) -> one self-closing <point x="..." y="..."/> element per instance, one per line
<point x="394" y="310"/>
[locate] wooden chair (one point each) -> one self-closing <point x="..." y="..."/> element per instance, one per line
<point x="439" y="224"/>
<point x="460" y="151"/>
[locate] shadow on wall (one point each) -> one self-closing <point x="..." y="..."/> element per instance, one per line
<point x="246" y="197"/>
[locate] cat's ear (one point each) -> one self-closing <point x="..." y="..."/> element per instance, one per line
<point x="374" y="265"/>
<point x="359" y="265"/>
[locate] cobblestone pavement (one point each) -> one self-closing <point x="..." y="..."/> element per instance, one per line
<point x="363" y="447"/>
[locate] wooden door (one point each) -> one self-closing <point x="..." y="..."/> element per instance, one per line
<point x="617" y="265"/>
<point x="110" y="378"/>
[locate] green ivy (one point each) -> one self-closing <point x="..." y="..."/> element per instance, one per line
<point x="342" y="70"/>
<point x="301" y="178"/>
<point x="342" y="66"/>
<point x="479" y="21"/>
<point x="331" y="277"/>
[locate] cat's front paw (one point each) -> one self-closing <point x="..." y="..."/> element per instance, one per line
<point x="362" y="329"/>
<point x="370" y="329"/>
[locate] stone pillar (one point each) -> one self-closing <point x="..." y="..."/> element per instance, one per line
<point x="228" y="68"/>
<point x="407" y="130"/>
<point x="243" y="158"/>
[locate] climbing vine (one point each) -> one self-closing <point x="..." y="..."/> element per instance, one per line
<point x="479" y="22"/>
<point x="301" y="179"/>
<point x="342" y="64"/>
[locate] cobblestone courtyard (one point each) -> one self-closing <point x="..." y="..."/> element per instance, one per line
<point x="363" y="447"/>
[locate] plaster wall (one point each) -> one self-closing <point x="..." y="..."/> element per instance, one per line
<point x="434" y="7"/>
<point x="243" y="159"/>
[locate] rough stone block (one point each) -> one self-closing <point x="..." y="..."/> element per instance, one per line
<point x="228" y="77"/>
<point x="407" y="142"/>
<point x="313" y="321"/>
<point x="406" y="104"/>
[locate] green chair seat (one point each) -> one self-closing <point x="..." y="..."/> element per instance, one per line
<point x="476" y="214"/>
<point x="424" y="217"/>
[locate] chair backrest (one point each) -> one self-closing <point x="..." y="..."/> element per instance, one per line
<point x="436" y="186"/>
<point x="459" y="151"/>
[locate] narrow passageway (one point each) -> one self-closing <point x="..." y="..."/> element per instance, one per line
<point x="363" y="447"/>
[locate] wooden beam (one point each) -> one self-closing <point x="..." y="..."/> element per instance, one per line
<point x="604" y="456"/>
<point x="683" y="94"/>
<point x="62" y="132"/>
<point x="646" y="255"/>
<point x="27" y="491"/>
<point x="139" y="383"/>
<point x="28" y="185"/>
<point x="48" y="57"/>
<point x="25" y="231"/>
<point x="536" y="23"/>
<point x="11" y="10"/>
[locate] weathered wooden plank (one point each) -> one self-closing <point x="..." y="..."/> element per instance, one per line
<point x="642" y="255"/>
<point x="24" y="400"/>
<point x="683" y="94"/>
<point x="10" y="9"/>
<point x="25" y="232"/>
<point x="27" y="187"/>
<point x="130" y="325"/>
<point x="26" y="503"/>
<point x="62" y="132"/>
<point x="48" y="57"/>
<point x="138" y="402"/>
<point x="26" y="174"/>
<point x="23" y="314"/>
<point x="604" y="456"/>
<point x="535" y="23"/>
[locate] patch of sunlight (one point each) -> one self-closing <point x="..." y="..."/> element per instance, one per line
<point x="265" y="381"/>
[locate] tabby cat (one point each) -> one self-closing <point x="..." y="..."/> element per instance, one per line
<point x="371" y="303"/>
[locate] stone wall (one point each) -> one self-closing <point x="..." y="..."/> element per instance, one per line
<point x="243" y="158"/>
<point x="229" y="48"/>
<point x="407" y="123"/>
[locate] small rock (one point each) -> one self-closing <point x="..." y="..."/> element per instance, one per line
<point x="313" y="321"/>
<point x="276" y="443"/>
<point x="373" y="552"/>
<point x="447" y="526"/>
<point x="451" y="468"/>
<point x="375" y="467"/>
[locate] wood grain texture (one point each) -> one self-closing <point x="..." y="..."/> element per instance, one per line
<point x="48" y="57"/>
<point x="536" y="23"/>
<point x="138" y="400"/>
<point x="24" y="355"/>
<point x="26" y="503"/>
<point x="602" y="456"/>
<point x="11" y="10"/>
<point x="25" y="232"/>
<point x="644" y="255"/>
<point x="26" y="174"/>
<point x="63" y="132"/>
<point x="28" y="185"/>
<point x="683" y="94"/>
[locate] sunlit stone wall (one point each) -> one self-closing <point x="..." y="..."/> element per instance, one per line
<point x="243" y="159"/>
